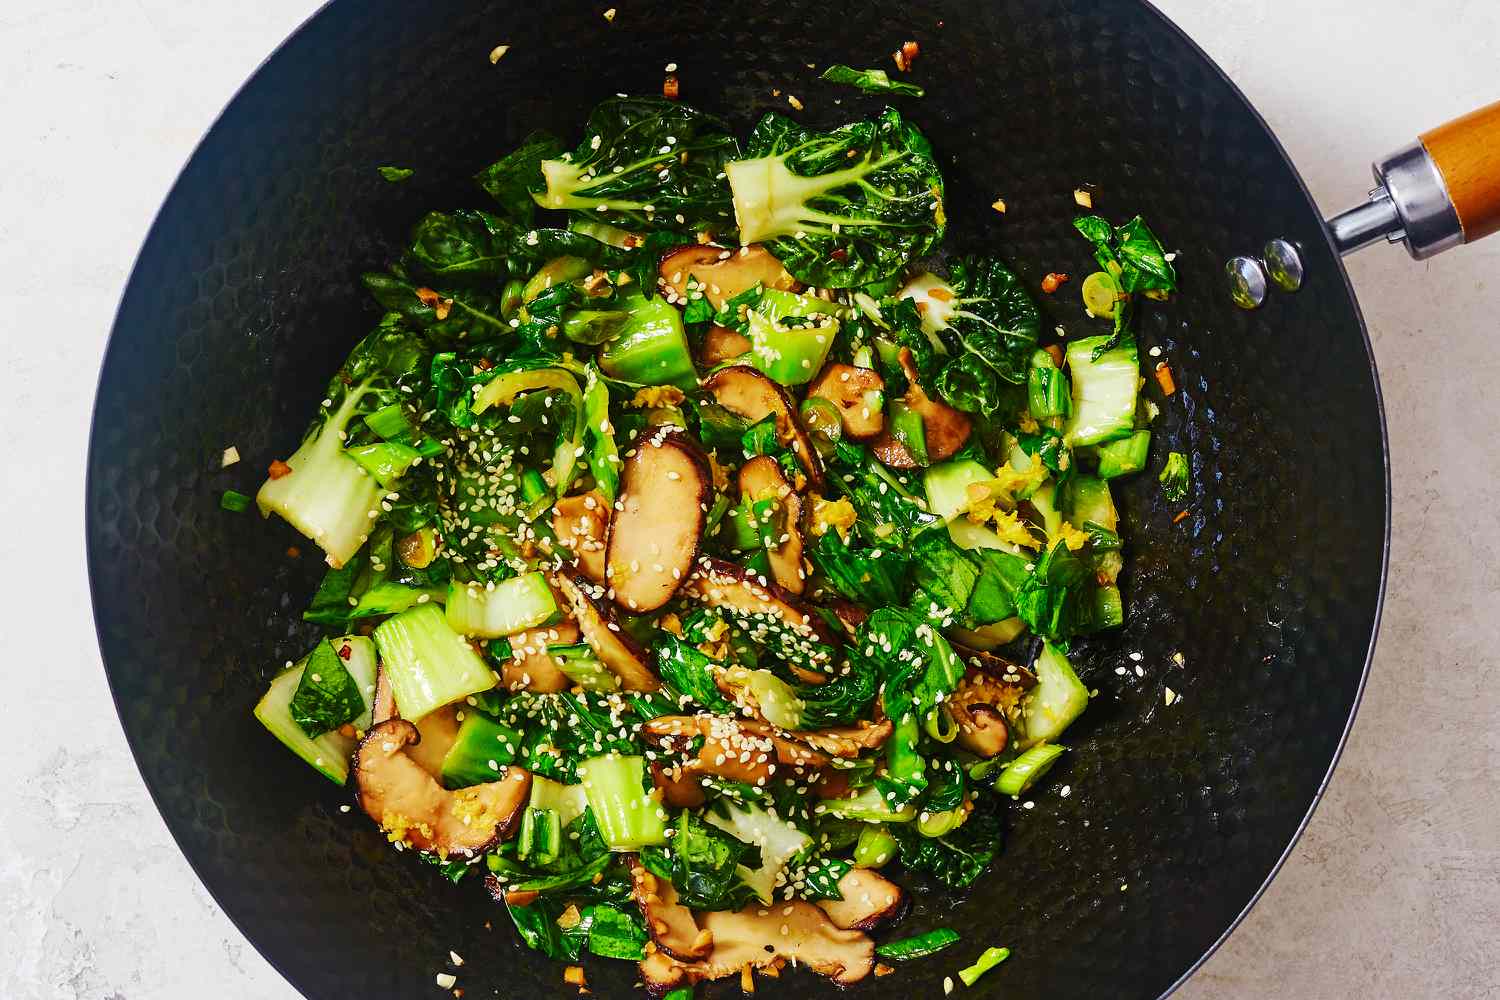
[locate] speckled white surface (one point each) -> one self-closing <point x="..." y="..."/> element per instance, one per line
<point x="1395" y="888"/>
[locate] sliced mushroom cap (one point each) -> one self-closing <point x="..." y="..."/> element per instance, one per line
<point x="944" y="429"/>
<point x="721" y="273"/>
<point x="679" y="789"/>
<point x="670" y="924"/>
<point x="721" y="344"/>
<point x="996" y="666"/>
<point x="531" y="667"/>
<point x="980" y="705"/>
<point x="847" y="741"/>
<point x="833" y="783"/>
<point x="761" y="479"/>
<point x="437" y="731"/>
<point x="736" y="589"/>
<point x="615" y="647"/>
<point x="859" y="394"/>
<point x="741" y="750"/>
<point x="581" y="524"/>
<point x="384" y="704"/>
<point x="757" y="936"/>
<point x="748" y="393"/>
<point x="760" y="606"/>
<point x="869" y="900"/>
<point x="414" y="809"/>
<point x="658" y="521"/>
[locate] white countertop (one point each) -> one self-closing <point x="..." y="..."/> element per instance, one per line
<point x="1393" y="891"/>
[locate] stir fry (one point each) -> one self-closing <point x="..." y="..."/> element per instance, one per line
<point x="703" y="560"/>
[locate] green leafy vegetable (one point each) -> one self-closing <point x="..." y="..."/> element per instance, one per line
<point x="327" y="696"/>
<point x="871" y="81"/>
<point x="509" y="179"/>
<point x="537" y="925"/>
<point x="702" y="863"/>
<point x="841" y="701"/>
<point x="690" y="671"/>
<point x="644" y="162"/>
<point x="326" y="495"/>
<point x="843" y="208"/>
<point x="944" y="571"/>
<point x="1052" y="601"/>
<point x="917" y="669"/>
<point x="615" y="932"/>
<point x="889" y="506"/>
<point x="993" y="320"/>
<point x="396" y="174"/>
<point x="867" y="574"/>
<point x="1174" y="477"/>
<point x="957" y="859"/>
<point x="442" y="316"/>
<point x="1134" y="258"/>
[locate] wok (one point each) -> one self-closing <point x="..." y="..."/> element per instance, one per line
<point x="245" y="297"/>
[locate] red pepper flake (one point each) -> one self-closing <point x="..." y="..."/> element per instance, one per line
<point x="1056" y="352"/>
<point x="278" y="468"/>
<point x="840" y="254"/>
<point x="484" y="364"/>
<point x="1164" y="378"/>
<point x="1180" y="517"/>
<point x="346" y="651"/>
<point x="1053" y="281"/>
<point x="905" y="54"/>
<point x="292" y="552"/>
<point x="670" y="87"/>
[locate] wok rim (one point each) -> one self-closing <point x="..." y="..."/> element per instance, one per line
<point x="112" y="343"/>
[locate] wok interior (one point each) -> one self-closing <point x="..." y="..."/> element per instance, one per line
<point x="246" y="296"/>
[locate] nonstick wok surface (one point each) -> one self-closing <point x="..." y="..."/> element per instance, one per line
<point x="245" y="297"/>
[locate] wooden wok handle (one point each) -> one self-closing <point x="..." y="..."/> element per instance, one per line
<point x="1466" y="152"/>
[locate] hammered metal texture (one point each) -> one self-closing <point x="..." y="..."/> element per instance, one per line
<point x="245" y="297"/>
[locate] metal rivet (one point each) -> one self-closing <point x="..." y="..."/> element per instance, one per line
<point x="1284" y="265"/>
<point x="1247" y="282"/>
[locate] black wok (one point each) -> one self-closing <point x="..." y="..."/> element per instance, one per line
<point x="245" y="297"/>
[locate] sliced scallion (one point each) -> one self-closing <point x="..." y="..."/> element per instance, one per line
<point x="1023" y="772"/>
<point x="235" y="501"/>
<point x="991" y="958"/>
<point x="918" y="945"/>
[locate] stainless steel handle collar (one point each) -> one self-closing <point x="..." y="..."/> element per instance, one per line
<point x="1409" y="205"/>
